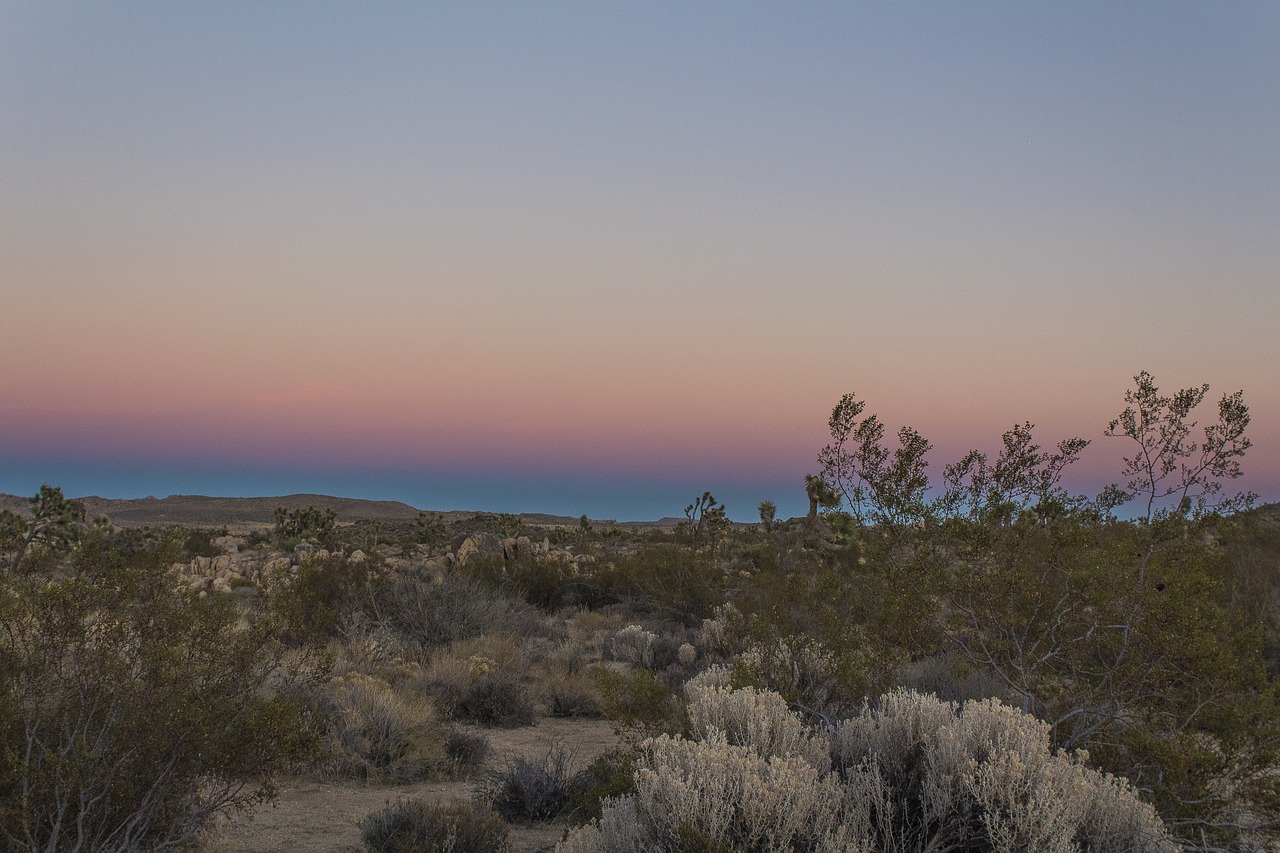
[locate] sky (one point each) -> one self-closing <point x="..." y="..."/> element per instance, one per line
<point x="598" y="258"/>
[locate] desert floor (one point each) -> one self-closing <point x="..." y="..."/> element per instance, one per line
<point x="324" y="816"/>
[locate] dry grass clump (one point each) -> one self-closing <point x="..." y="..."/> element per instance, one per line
<point x="374" y="732"/>
<point x="481" y="680"/>
<point x="416" y="826"/>
<point x="911" y="773"/>
<point x="572" y="693"/>
<point x="592" y="629"/>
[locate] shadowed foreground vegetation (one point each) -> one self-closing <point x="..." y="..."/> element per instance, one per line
<point x="984" y="662"/>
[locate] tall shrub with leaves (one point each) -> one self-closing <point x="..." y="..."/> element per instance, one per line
<point x="130" y="714"/>
<point x="1114" y="632"/>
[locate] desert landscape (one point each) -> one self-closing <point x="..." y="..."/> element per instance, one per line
<point x="992" y="662"/>
<point x="666" y="427"/>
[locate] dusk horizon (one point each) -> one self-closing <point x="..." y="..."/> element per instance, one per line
<point x="584" y="260"/>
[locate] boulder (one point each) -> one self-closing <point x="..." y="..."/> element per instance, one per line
<point x="274" y="567"/>
<point x="357" y="556"/>
<point x="478" y="546"/>
<point x="466" y="551"/>
<point x="228" y="544"/>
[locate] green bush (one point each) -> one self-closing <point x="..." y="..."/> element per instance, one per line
<point x="130" y="715"/>
<point x="639" y="699"/>
<point x="416" y="826"/>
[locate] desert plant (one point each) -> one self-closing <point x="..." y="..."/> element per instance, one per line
<point x="477" y="688"/>
<point x="798" y="667"/>
<point x="416" y="826"/>
<point x="374" y="732"/>
<point x="301" y="524"/>
<point x="499" y="699"/>
<point x="634" y="645"/>
<point x="911" y="773"/>
<point x="51" y="525"/>
<point x="457" y="607"/>
<point x="640" y="700"/>
<point x="466" y="751"/>
<point x="130" y="715"/>
<point x="571" y="692"/>
<point x="532" y="788"/>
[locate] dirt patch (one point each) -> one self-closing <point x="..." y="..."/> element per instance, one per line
<point x="324" y="817"/>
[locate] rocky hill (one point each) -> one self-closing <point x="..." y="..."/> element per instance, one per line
<point x="202" y="511"/>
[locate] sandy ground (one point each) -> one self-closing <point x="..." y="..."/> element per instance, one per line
<point x="324" y="817"/>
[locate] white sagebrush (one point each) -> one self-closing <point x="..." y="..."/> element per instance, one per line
<point x="634" y="645"/>
<point x="911" y="773"/>
<point x="756" y="719"/>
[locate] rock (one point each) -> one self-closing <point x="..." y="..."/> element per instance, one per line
<point x="274" y="567"/>
<point x="524" y="548"/>
<point x="219" y="565"/>
<point x="201" y="567"/>
<point x="228" y="544"/>
<point x="221" y="585"/>
<point x="466" y="551"/>
<point x="357" y="556"/>
<point x="479" y="546"/>
<point x="303" y="548"/>
<point x="509" y="549"/>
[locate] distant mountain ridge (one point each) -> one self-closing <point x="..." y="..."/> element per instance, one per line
<point x="199" y="510"/>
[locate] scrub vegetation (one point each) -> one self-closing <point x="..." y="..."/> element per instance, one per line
<point x="984" y="661"/>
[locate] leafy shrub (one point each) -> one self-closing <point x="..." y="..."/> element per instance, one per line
<point x="611" y="775"/>
<point x="130" y="715"/>
<point x="320" y="594"/>
<point x="801" y="669"/>
<point x="912" y="773"/>
<point x="639" y="699"/>
<point x="416" y="826"/>
<point x="532" y="789"/>
<point x="481" y="679"/>
<point x="374" y="732"/>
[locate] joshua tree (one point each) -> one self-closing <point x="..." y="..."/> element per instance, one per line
<point x="820" y="494"/>
<point x="767" y="512"/>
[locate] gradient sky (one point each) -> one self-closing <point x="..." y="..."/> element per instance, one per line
<point x="593" y="258"/>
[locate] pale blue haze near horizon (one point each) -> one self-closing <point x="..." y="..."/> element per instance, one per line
<point x="573" y="257"/>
